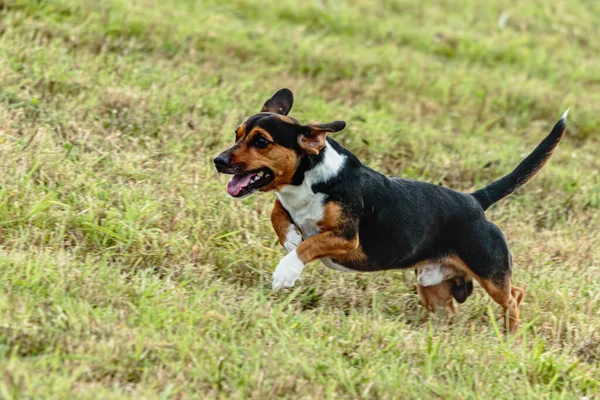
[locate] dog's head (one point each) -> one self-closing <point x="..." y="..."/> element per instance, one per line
<point x="269" y="146"/>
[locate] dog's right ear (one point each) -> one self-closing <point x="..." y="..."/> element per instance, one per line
<point x="313" y="139"/>
<point x="280" y="103"/>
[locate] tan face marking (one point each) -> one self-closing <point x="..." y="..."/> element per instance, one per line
<point x="240" y="132"/>
<point x="281" y="160"/>
<point x="258" y="131"/>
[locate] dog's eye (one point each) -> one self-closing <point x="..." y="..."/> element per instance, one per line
<point x="260" y="142"/>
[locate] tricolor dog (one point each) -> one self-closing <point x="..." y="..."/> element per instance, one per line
<point x="331" y="207"/>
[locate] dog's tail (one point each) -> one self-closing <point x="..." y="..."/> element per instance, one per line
<point x="530" y="166"/>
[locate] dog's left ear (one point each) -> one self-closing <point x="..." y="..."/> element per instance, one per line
<point x="281" y="102"/>
<point x="313" y="137"/>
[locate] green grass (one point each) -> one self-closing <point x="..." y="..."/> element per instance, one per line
<point x="127" y="272"/>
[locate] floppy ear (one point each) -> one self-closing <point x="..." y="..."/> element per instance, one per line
<point x="313" y="139"/>
<point x="280" y="103"/>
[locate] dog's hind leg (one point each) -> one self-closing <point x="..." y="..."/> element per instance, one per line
<point x="437" y="296"/>
<point x="508" y="296"/>
<point x="484" y="250"/>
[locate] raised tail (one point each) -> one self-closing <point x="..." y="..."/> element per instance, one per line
<point x="530" y="166"/>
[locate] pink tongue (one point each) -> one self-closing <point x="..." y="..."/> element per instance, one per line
<point x="237" y="183"/>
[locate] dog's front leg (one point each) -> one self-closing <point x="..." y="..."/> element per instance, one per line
<point x="326" y="244"/>
<point x="288" y="233"/>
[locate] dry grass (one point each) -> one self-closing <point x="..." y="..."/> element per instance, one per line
<point x="129" y="273"/>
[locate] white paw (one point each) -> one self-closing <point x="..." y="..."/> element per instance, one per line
<point x="288" y="271"/>
<point x="292" y="238"/>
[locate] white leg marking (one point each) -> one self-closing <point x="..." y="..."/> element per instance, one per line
<point x="288" y="271"/>
<point x="434" y="274"/>
<point x="292" y="238"/>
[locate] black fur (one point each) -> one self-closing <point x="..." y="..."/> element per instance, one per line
<point x="283" y="133"/>
<point x="504" y="186"/>
<point x="461" y="289"/>
<point x="281" y="102"/>
<point x="401" y="222"/>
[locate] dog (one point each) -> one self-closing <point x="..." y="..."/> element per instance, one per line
<point x="331" y="207"/>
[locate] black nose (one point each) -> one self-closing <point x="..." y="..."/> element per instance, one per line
<point x="221" y="161"/>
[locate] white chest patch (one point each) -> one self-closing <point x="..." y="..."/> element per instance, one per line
<point x="305" y="206"/>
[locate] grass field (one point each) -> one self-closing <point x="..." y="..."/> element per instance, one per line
<point x="127" y="271"/>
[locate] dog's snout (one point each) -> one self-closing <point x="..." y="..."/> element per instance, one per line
<point x="221" y="161"/>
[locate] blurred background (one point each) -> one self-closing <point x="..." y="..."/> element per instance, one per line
<point x="129" y="272"/>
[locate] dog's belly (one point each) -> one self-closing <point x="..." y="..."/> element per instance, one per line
<point x="434" y="274"/>
<point x="306" y="210"/>
<point x="335" y="266"/>
<point x="431" y="271"/>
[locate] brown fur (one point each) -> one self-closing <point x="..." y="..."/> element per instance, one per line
<point x="333" y="243"/>
<point x="338" y="238"/>
<point x="312" y="144"/>
<point x="330" y="242"/>
<point x="333" y="217"/>
<point x="281" y="221"/>
<point x="437" y="296"/>
<point x="240" y="132"/>
<point x="282" y="161"/>
<point x="503" y="293"/>
<point x="335" y="220"/>
<point x="326" y="244"/>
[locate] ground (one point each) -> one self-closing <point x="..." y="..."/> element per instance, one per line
<point x="127" y="271"/>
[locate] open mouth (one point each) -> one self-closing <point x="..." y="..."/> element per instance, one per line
<point x="249" y="182"/>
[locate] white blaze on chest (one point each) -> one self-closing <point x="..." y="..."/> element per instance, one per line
<point x="305" y="209"/>
<point x="305" y="206"/>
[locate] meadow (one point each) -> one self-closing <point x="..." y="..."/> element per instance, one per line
<point x="128" y="272"/>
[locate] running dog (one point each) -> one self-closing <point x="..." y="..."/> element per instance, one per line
<point x="331" y="207"/>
